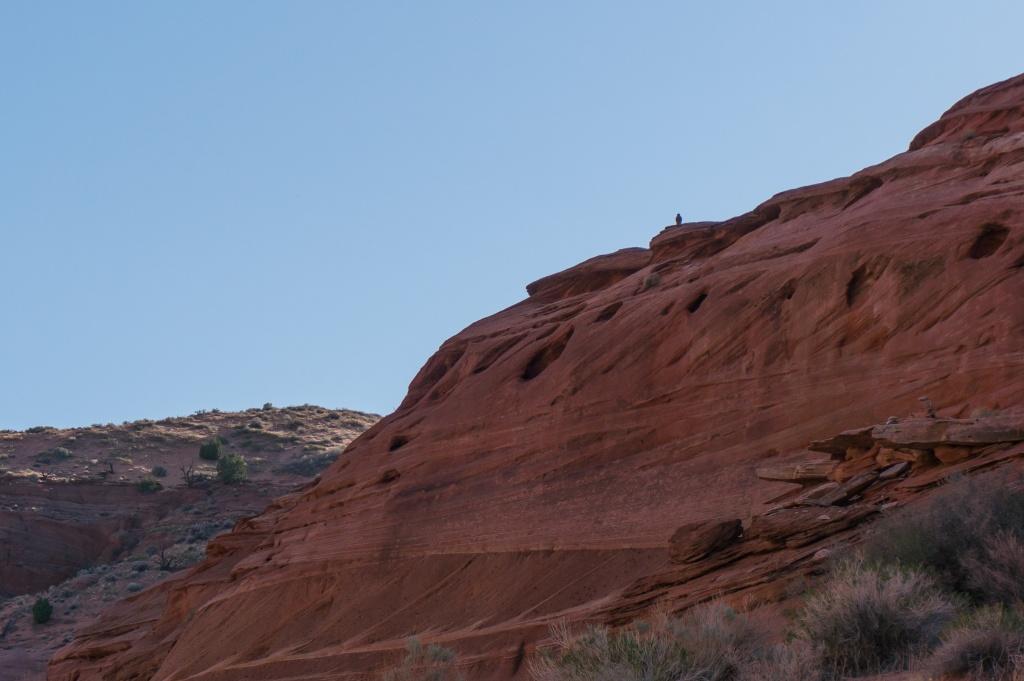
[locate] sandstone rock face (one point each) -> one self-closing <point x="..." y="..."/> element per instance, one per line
<point x="544" y="456"/>
<point x="695" y="541"/>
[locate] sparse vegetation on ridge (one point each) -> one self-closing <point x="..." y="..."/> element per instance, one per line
<point x="148" y="485"/>
<point x="144" y="545"/>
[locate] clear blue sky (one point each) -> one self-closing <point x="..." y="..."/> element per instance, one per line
<point x="219" y="204"/>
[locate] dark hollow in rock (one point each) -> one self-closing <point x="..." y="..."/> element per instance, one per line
<point x="608" y="312"/>
<point x="988" y="241"/>
<point x="855" y="286"/>
<point x="543" y="358"/>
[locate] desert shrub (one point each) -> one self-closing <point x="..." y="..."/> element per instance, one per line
<point x="178" y="557"/>
<point x="54" y="455"/>
<point x="710" y="643"/>
<point x="868" y="620"/>
<point x="719" y="640"/>
<point x="203" y="530"/>
<point x="232" y="468"/>
<point x="211" y="449"/>
<point x="159" y="472"/>
<point x="133" y="587"/>
<point x="795" y="661"/>
<point x="953" y="532"/>
<point x="987" y="645"/>
<point x="42" y="611"/>
<point x="629" y="655"/>
<point x="309" y="464"/>
<point x="650" y="281"/>
<point x="148" y="485"/>
<point x="430" y="663"/>
<point x="995" y="572"/>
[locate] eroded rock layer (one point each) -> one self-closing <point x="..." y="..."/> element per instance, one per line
<point x="545" y="457"/>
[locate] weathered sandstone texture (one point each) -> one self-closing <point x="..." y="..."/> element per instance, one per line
<point x="546" y="456"/>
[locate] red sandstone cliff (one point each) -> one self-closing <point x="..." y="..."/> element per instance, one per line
<point x="545" y="456"/>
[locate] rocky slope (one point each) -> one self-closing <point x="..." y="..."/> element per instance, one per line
<point x="634" y="433"/>
<point x="76" y="527"/>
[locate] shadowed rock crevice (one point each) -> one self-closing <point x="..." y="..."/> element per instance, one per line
<point x="544" y="357"/>
<point x="698" y="300"/>
<point x="431" y="375"/>
<point x="988" y="241"/>
<point x="608" y="312"/>
<point x="855" y="285"/>
<point x="496" y="352"/>
<point x="860" y="188"/>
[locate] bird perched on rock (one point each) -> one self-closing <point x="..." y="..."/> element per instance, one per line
<point x="679" y="219"/>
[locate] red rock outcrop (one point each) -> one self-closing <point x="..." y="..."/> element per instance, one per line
<point x="545" y="456"/>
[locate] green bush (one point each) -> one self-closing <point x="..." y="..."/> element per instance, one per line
<point x="159" y="472"/>
<point x="866" y="620"/>
<point x="430" y="663"/>
<point x="42" y="611"/>
<point x="148" y="485"/>
<point x="232" y="468"/>
<point x="212" y="449"/>
<point x="964" y="526"/>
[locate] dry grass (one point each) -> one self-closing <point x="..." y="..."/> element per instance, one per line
<point x="425" y="663"/>
<point x="709" y="643"/>
<point x="795" y="661"/>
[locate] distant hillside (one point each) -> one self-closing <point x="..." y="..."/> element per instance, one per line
<point x="90" y="515"/>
